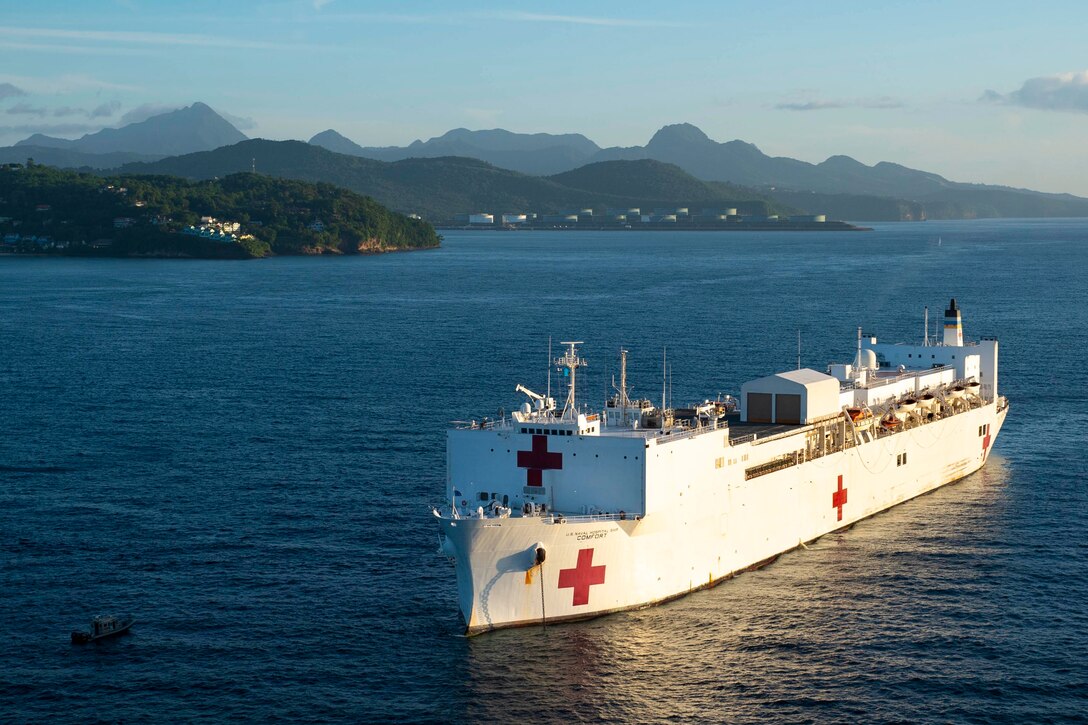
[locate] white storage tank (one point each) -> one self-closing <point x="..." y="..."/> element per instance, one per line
<point x="481" y="218"/>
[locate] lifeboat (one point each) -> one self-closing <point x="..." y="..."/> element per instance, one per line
<point x="927" y="402"/>
<point x="856" y="414"/>
<point x="907" y="405"/>
<point x="957" y="392"/>
<point x="973" y="388"/>
<point x="890" y="422"/>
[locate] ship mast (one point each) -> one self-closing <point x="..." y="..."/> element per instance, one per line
<point x="571" y="362"/>
<point x="623" y="383"/>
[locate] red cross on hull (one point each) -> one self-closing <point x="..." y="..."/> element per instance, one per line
<point x="582" y="577"/>
<point x="538" y="460"/>
<point x="838" y="498"/>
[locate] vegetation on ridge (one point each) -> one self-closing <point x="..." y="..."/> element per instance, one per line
<point x="161" y="216"/>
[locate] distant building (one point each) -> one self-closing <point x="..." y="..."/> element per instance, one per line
<point x="317" y="226"/>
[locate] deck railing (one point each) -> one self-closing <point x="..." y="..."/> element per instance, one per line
<point x="559" y="518"/>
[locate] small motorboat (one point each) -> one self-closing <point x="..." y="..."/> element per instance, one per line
<point x="103" y="627"/>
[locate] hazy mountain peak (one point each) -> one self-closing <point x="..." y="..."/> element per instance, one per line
<point x="675" y="133"/>
<point x="335" y="141"/>
<point x="499" y="139"/>
<point x="842" y="162"/>
<point x="193" y="128"/>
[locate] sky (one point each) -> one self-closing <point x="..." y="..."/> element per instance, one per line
<point x="991" y="92"/>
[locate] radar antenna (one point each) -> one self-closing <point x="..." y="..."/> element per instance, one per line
<point x="621" y="392"/>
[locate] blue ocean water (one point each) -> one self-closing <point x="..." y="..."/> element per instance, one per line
<point x="242" y="453"/>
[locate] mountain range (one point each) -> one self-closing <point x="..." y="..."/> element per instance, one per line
<point x="440" y="188"/>
<point x="840" y="186"/>
<point x="539" y="154"/>
<point x="883" y="191"/>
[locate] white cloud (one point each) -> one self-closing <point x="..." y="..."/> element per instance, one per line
<point x="66" y="129"/>
<point x="1061" y="92"/>
<point x="880" y="102"/>
<point x="68" y="83"/>
<point x="70" y="49"/>
<point x="499" y="16"/>
<point x="104" y="110"/>
<point x="588" y="20"/>
<point x="145" y="111"/>
<point x="139" y="38"/>
<point x="242" y="123"/>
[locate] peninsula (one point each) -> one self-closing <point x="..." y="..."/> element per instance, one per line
<point x="44" y="210"/>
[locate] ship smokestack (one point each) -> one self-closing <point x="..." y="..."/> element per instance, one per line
<point x="953" y="325"/>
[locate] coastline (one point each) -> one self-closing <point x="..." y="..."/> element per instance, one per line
<point x="785" y="226"/>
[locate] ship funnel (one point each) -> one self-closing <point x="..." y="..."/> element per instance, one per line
<point x="953" y="325"/>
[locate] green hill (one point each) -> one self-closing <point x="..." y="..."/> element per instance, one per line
<point x="654" y="180"/>
<point x="46" y="209"/>
<point x="440" y="188"/>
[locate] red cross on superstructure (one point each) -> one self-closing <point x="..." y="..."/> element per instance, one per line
<point x="538" y="460"/>
<point x="582" y="577"/>
<point x="838" y="498"/>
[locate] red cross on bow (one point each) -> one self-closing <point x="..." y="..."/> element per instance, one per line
<point x="838" y="498"/>
<point x="582" y="577"/>
<point x="538" y="460"/>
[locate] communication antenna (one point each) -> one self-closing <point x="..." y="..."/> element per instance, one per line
<point x="798" y="349"/>
<point x="664" y="369"/>
<point x="925" y="329"/>
<point x="670" y="383"/>
<point x="549" y="393"/>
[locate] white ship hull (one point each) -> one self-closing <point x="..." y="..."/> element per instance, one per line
<point x="706" y="522"/>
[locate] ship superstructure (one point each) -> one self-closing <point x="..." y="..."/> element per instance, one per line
<point x="567" y="513"/>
